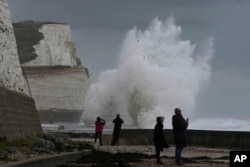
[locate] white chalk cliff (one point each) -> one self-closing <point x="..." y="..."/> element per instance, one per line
<point x="56" y="89"/>
<point x="56" y="48"/>
<point x="57" y="80"/>
<point x="11" y="76"/>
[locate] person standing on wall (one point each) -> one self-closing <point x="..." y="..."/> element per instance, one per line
<point x="179" y="128"/>
<point x="99" y="124"/>
<point x="117" y="128"/>
<point x="159" y="138"/>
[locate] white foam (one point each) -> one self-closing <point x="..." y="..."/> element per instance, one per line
<point x="157" y="72"/>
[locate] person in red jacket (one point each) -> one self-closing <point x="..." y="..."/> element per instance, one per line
<point x="99" y="124"/>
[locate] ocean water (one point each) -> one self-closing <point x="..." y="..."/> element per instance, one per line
<point x="218" y="124"/>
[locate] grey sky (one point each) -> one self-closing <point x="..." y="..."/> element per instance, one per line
<point x="99" y="26"/>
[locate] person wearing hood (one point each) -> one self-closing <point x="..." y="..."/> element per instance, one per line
<point x="117" y="128"/>
<point x="179" y="128"/>
<point x="159" y="138"/>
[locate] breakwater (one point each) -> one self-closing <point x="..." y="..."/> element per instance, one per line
<point x="199" y="138"/>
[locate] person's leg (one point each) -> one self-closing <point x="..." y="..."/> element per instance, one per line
<point x="178" y="155"/>
<point x="100" y="135"/>
<point x="96" y="135"/>
<point x="117" y="138"/>
<point x="157" y="156"/>
<point x="114" y="139"/>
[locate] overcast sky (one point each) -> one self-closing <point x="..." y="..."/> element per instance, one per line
<point x="99" y="27"/>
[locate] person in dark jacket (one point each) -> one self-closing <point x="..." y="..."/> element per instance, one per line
<point x="99" y="124"/>
<point x="117" y="128"/>
<point x="159" y="138"/>
<point x="179" y="128"/>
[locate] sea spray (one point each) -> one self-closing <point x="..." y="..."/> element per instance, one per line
<point x="157" y="72"/>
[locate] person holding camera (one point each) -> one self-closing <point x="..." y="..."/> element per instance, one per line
<point x="99" y="124"/>
<point x="117" y="128"/>
<point x="179" y="128"/>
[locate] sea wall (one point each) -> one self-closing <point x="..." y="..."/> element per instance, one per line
<point x="199" y="138"/>
<point x="18" y="115"/>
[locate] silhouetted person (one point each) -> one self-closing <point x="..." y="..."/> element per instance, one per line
<point x="179" y="128"/>
<point x="117" y="128"/>
<point x="159" y="138"/>
<point x="99" y="124"/>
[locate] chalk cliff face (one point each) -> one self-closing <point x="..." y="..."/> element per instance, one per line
<point x="18" y="115"/>
<point x="56" y="47"/>
<point x="58" y="91"/>
<point x="11" y="76"/>
<point x="61" y="88"/>
<point x="57" y="80"/>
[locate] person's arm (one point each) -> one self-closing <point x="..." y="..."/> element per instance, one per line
<point x="103" y="122"/>
<point x="183" y="123"/>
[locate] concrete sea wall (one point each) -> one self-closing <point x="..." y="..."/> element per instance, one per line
<point x="18" y="115"/>
<point x="199" y="138"/>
